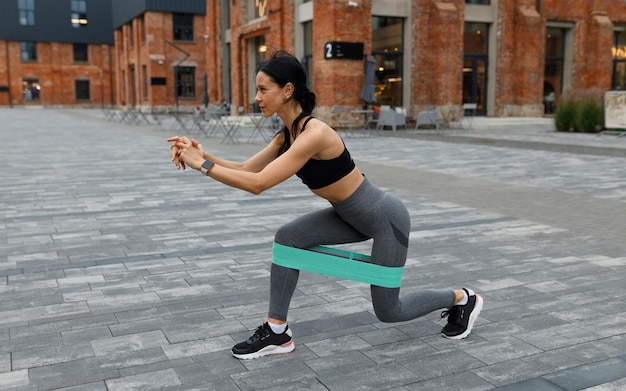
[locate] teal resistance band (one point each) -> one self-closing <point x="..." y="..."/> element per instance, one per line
<point x="337" y="263"/>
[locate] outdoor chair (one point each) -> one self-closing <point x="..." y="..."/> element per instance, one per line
<point x="469" y="112"/>
<point x="428" y="118"/>
<point x="391" y="118"/>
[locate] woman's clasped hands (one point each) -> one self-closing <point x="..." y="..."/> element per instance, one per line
<point x="186" y="152"/>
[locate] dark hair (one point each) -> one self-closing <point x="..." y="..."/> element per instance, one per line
<point x="284" y="68"/>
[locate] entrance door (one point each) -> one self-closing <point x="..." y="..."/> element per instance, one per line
<point x="475" y="82"/>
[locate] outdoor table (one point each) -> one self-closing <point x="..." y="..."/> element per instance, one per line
<point x="259" y="122"/>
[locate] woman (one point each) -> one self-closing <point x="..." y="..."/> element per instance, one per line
<point x="358" y="211"/>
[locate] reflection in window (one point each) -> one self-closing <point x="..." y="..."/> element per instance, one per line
<point x="183" y="27"/>
<point x="554" y="63"/>
<point x="81" y="53"/>
<point x="619" y="61"/>
<point x="79" y="13"/>
<point x="81" y="89"/>
<point x="26" y="12"/>
<point x="186" y="82"/>
<point x="28" y="51"/>
<point x="387" y="44"/>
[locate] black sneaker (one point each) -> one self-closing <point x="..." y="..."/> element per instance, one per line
<point x="263" y="342"/>
<point x="461" y="318"/>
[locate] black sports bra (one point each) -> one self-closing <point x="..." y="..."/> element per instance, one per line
<point x="318" y="173"/>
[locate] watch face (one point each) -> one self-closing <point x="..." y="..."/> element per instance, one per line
<point x="207" y="164"/>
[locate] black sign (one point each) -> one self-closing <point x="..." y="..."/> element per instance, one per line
<point x="157" y="81"/>
<point x="344" y="50"/>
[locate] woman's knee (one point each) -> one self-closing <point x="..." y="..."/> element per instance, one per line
<point x="287" y="235"/>
<point x="384" y="314"/>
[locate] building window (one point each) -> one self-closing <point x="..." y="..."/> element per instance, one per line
<point x="619" y="61"/>
<point x="31" y="90"/>
<point x="81" y="53"/>
<point x="28" y="51"/>
<point x="387" y="44"/>
<point x="554" y="65"/>
<point x="26" y="11"/>
<point x="81" y="89"/>
<point x="475" y="61"/>
<point x="483" y="2"/>
<point x="79" y="13"/>
<point x="183" y="27"/>
<point x="186" y="82"/>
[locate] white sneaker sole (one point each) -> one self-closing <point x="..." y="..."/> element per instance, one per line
<point x="470" y="324"/>
<point x="268" y="350"/>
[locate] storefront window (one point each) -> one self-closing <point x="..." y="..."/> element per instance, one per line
<point x="619" y="61"/>
<point x="387" y="44"/>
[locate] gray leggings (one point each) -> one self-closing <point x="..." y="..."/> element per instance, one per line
<point x="369" y="213"/>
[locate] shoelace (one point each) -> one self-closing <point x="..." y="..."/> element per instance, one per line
<point x="453" y="314"/>
<point x="260" y="332"/>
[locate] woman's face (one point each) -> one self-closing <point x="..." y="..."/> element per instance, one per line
<point x="269" y="95"/>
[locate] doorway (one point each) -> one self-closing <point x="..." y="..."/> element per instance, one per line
<point x="475" y="82"/>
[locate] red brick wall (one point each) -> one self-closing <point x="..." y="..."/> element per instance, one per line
<point x="56" y="71"/>
<point x="159" y="58"/>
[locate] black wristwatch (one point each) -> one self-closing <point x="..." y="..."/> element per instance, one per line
<point x="206" y="166"/>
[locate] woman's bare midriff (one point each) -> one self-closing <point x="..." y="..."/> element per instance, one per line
<point x="341" y="189"/>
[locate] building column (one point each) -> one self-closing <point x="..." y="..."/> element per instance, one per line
<point x="598" y="59"/>
<point x="339" y="81"/>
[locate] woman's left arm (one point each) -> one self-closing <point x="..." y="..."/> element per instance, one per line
<point x="278" y="170"/>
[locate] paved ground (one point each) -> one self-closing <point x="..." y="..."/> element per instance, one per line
<point x="118" y="272"/>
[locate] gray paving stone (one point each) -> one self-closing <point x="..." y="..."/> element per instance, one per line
<point x="589" y="375"/>
<point x="144" y="381"/>
<point x="159" y="272"/>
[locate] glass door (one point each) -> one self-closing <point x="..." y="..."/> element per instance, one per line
<point x="475" y="82"/>
<point x="475" y="61"/>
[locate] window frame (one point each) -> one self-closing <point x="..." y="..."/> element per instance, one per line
<point x="26" y="12"/>
<point x="28" y="48"/>
<point x="76" y="49"/>
<point x="185" y="82"/>
<point x="78" y="10"/>
<point x="78" y="89"/>
<point x="183" y="27"/>
<point x="619" y="59"/>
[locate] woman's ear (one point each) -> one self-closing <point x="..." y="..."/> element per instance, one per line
<point x="288" y="91"/>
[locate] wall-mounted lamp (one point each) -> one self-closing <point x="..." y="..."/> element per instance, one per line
<point x="353" y="4"/>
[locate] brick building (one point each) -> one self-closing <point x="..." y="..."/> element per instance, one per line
<point x="56" y="52"/>
<point x="506" y="56"/>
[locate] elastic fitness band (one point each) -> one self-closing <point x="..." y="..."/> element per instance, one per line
<point x="337" y="263"/>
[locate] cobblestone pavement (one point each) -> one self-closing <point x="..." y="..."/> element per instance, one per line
<point x="118" y="272"/>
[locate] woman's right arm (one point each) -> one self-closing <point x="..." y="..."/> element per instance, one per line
<point x="255" y="163"/>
